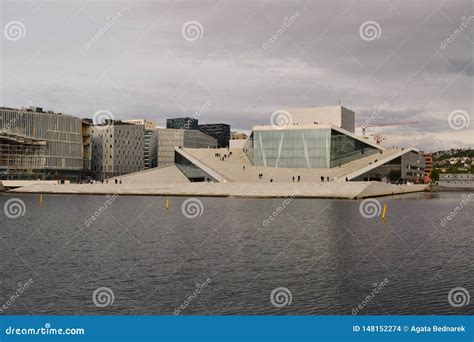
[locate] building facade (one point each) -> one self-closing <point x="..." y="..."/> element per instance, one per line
<point x="219" y="131"/>
<point x="457" y="180"/>
<point x="164" y="141"/>
<point x="237" y="135"/>
<point x="117" y="149"/>
<point x="304" y="146"/>
<point x="428" y="157"/>
<point x="182" y="123"/>
<point x="150" y="127"/>
<point x="338" y="116"/>
<point x="41" y="145"/>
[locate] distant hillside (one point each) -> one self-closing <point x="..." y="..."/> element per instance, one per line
<point x="453" y="161"/>
<point x="453" y="153"/>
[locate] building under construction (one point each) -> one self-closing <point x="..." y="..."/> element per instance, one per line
<point x="43" y="145"/>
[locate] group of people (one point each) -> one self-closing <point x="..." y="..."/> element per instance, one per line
<point x="221" y="156"/>
<point x="93" y="181"/>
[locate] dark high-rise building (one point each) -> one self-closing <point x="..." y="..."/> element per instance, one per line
<point x="219" y="131"/>
<point x="182" y="123"/>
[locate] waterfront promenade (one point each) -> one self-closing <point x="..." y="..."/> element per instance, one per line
<point x="346" y="190"/>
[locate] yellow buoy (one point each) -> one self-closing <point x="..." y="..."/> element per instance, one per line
<point x="167" y="203"/>
<point x="41" y="199"/>
<point x="384" y="211"/>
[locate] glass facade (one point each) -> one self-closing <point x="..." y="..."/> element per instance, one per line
<point x="345" y="149"/>
<point x="304" y="148"/>
<point x="191" y="171"/>
<point x="39" y="145"/>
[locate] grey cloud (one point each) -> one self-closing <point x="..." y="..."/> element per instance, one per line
<point x="142" y="67"/>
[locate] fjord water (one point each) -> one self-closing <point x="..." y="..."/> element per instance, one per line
<point x="153" y="259"/>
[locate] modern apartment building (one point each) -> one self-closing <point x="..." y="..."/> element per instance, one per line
<point x="42" y="145"/>
<point x="117" y="149"/>
<point x="182" y="123"/>
<point x="220" y="131"/>
<point x="164" y="141"/>
<point x="428" y="157"/>
<point x="150" y="127"/>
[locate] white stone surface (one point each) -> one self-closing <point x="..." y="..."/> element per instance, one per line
<point x="251" y="190"/>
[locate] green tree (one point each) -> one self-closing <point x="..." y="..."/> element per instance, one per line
<point x="435" y="174"/>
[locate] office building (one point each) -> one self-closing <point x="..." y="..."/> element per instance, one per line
<point x="117" y="149"/>
<point x="219" y="131"/>
<point x="164" y="141"/>
<point x="150" y="127"/>
<point x="42" y="145"/>
<point x="182" y="123"/>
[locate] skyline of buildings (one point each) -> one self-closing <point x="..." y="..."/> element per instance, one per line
<point x="317" y="137"/>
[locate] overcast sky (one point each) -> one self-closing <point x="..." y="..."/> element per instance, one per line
<point x="241" y="60"/>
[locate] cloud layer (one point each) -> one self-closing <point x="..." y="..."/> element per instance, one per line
<point x="248" y="58"/>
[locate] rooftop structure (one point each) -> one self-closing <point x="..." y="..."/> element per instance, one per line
<point x="338" y="116"/>
<point x="148" y="124"/>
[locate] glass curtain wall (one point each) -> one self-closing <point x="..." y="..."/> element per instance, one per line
<point x="304" y="148"/>
<point x="292" y="148"/>
<point x="345" y="149"/>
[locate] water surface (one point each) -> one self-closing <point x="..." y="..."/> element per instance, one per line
<point x="323" y="251"/>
